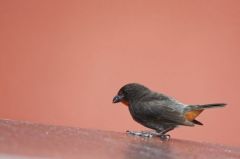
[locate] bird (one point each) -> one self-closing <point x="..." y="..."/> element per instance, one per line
<point x="157" y="111"/>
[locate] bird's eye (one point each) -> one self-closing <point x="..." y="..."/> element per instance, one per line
<point x="120" y="93"/>
<point x="125" y="93"/>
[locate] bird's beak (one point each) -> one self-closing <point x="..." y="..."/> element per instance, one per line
<point x="118" y="98"/>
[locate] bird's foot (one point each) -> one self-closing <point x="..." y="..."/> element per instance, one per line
<point x="165" y="137"/>
<point x="148" y="134"/>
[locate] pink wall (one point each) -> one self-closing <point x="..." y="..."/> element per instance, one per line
<point x="61" y="62"/>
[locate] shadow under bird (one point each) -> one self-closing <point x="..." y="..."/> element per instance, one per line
<point x="158" y="111"/>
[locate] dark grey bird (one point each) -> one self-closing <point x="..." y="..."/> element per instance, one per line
<point x="158" y="111"/>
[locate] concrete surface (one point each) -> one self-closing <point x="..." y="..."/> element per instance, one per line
<point x="20" y="140"/>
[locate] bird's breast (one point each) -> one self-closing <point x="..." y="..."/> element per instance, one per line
<point x="135" y="113"/>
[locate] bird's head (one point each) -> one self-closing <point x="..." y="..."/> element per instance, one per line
<point x="129" y="93"/>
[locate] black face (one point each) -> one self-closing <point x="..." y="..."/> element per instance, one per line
<point x="129" y="92"/>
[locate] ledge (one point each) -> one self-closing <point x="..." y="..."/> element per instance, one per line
<point x="20" y="140"/>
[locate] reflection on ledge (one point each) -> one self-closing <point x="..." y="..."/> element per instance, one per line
<point x="30" y="140"/>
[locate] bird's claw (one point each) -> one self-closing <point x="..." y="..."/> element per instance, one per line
<point x="141" y="133"/>
<point x="164" y="137"/>
<point x="149" y="134"/>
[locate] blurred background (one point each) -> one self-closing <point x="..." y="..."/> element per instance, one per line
<point x="61" y="62"/>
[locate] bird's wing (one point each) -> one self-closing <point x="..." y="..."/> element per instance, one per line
<point x="163" y="111"/>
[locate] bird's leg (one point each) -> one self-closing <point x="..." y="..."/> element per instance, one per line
<point x="142" y="133"/>
<point x="162" y="133"/>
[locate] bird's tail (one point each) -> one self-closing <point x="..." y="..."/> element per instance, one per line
<point x="206" y="106"/>
<point x="192" y="111"/>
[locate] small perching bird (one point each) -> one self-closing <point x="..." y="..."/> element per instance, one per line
<point x="158" y="111"/>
